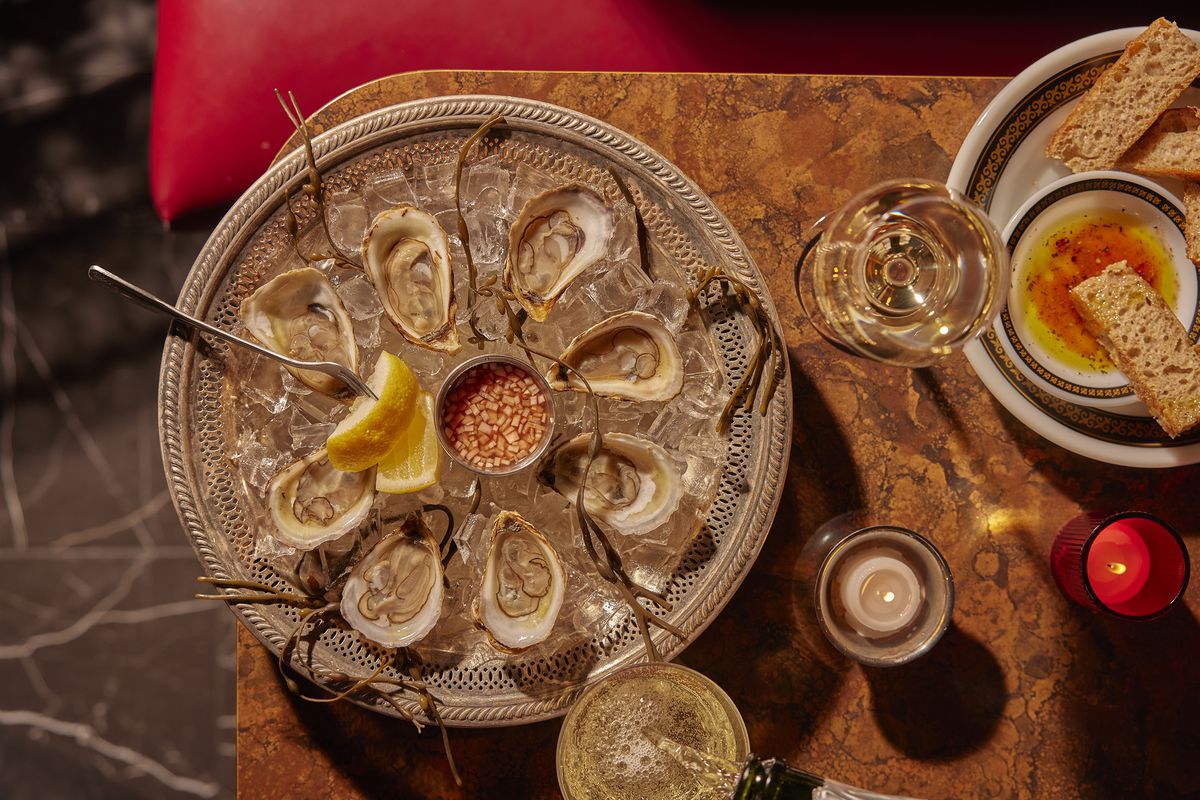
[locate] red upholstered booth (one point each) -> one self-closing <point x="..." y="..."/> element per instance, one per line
<point x="216" y="125"/>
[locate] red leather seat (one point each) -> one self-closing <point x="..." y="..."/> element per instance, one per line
<point x="216" y="125"/>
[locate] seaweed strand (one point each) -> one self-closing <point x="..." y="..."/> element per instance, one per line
<point x="313" y="611"/>
<point x="768" y="351"/>
<point x="313" y="188"/>
<point x="464" y="233"/>
<point x="643" y="236"/>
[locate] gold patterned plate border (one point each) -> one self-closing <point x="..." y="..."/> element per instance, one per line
<point x="1157" y="201"/>
<point x="1000" y="164"/>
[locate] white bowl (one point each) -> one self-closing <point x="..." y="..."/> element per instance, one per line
<point x="1067" y="198"/>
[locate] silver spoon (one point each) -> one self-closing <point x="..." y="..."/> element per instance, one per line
<point x="124" y="287"/>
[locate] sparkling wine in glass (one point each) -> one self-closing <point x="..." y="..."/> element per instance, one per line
<point x="665" y="731"/>
<point x="904" y="273"/>
<point x="603" y="753"/>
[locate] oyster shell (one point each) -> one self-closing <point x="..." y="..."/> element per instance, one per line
<point x="631" y="355"/>
<point x="633" y="486"/>
<point x="406" y="254"/>
<point x="557" y="235"/>
<point x="523" y="585"/>
<point x="394" y="595"/>
<point x="300" y="315"/>
<point x="311" y="501"/>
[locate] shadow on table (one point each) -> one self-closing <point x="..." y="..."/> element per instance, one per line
<point x="822" y="479"/>
<point x="1169" y="493"/>
<point x="763" y="649"/>
<point x="387" y="758"/>
<point x="944" y="705"/>
<point x="928" y="378"/>
<point x="1134" y="698"/>
<point x="1129" y="693"/>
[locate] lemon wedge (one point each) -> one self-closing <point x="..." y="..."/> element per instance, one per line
<point x="416" y="458"/>
<point x="369" y="431"/>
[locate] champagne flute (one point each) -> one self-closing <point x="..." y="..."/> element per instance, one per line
<point x="905" y="273"/>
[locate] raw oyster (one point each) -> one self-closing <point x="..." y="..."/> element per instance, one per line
<point x="407" y="257"/>
<point x="557" y="235"/>
<point x="394" y="595"/>
<point x="312" y="501"/>
<point x="298" y="314"/>
<point x="633" y="486"/>
<point x="523" y="585"/>
<point x="630" y="355"/>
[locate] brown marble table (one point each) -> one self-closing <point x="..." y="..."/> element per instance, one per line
<point x="1026" y="696"/>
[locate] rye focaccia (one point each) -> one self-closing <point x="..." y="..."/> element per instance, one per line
<point x="1191" y="217"/>
<point x="1170" y="149"/>
<point x="1127" y="98"/>
<point x="1146" y="341"/>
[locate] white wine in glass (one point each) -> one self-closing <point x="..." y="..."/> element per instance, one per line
<point x="904" y="273"/>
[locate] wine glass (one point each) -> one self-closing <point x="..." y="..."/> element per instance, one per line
<point x="905" y="273"/>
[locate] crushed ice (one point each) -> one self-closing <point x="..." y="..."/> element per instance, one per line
<point x="279" y="419"/>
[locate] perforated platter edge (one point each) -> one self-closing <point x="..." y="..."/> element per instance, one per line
<point x="749" y="492"/>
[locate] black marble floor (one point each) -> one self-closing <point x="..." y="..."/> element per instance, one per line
<point x="114" y="682"/>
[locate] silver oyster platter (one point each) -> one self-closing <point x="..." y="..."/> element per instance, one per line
<point x="229" y="421"/>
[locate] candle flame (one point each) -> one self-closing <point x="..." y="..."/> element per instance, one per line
<point x="889" y="597"/>
<point x="1116" y="567"/>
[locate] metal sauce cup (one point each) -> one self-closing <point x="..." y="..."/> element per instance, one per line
<point x="452" y="381"/>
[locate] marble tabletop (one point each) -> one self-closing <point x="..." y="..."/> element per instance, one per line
<point x="115" y="682"/>
<point x="1026" y="696"/>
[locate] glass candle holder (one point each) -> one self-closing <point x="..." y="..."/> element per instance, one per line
<point x="884" y="595"/>
<point x="1131" y="564"/>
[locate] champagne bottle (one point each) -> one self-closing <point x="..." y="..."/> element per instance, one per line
<point x="773" y="779"/>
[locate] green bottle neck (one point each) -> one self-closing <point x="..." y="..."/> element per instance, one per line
<point x="774" y="780"/>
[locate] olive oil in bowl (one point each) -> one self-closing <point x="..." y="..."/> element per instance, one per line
<point x="1072" y="251"/>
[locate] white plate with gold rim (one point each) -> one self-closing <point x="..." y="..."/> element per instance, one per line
<point x="1001" y="163"/>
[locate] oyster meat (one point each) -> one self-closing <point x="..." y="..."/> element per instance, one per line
<point x="298" y="314"/>
<point x="312" y="501"/>
<point x="557" y="235"/>
<point x="406" y="254"/>
<point x="394" y="595"/>
<point x="631" y="356"/>
<point x="523" y="585"/>
<point x="634" y="485"/>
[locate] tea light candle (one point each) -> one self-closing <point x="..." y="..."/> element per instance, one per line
<point x="1118" y="563"/>
<point x="880" y="592"/>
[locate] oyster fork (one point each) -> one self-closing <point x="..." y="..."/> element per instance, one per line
<point x="140" y="295"/>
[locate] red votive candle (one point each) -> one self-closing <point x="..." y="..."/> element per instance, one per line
<point x="1132" y="564"/>
<point x="1118" y="563"/>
